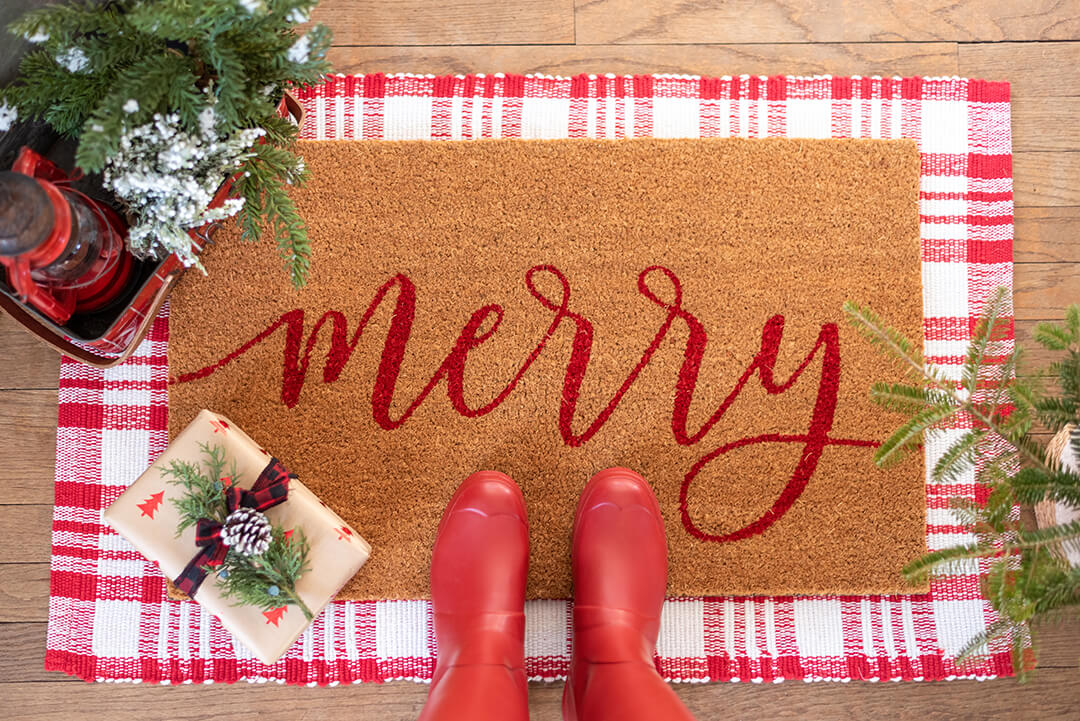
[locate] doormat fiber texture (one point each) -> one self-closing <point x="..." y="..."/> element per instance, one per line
<point x="552" y="308"/>
<point x="109" y="617"/>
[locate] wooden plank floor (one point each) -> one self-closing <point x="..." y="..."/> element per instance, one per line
<point x="1033" y="43"/>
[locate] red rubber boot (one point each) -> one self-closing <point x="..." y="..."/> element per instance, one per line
<point x="620" y="576"/>
<point x="478" y="571"/>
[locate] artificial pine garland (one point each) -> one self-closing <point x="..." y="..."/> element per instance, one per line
<point x="192" y="74"/>
<point x="255" y="572"/>
<point x="1028" y="576"/>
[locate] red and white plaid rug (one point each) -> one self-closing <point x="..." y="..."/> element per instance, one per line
<point x="109" y="618"/>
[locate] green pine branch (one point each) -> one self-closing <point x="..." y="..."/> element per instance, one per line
<point x="179" y="56"/>
<point x="268" y="581"/>
<point x="1060" y="592"/>
<point x="279" y="131"/>
<point x="986" y="331"/>
<point x="1060" y="337"/>
<point x="889" y="340"/>
<point x="958" y="457"/>
<point x="1026" y="574"/>
<point x="944" y="561"/>
<point x="204" y="495"/>
<point x="160" y="83"/>
<point x="50" y="93"/>
<point x="231" y="80"/>
<point x="1004" y="374"/>
<point x="1039" y="537"/>
<point x="1056" y="413"/>
<point x="904" y="398"/>
<point x="267" y="206"/>
<point x="909" y="436"/>
<point x="65" y="21"/>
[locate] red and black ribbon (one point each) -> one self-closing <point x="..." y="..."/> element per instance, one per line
<point x="270" y="489"/>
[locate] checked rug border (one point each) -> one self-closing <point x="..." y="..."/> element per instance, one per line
<point x="110" y="618"/>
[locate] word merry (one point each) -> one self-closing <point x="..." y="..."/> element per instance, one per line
<point x="297" y="359"/>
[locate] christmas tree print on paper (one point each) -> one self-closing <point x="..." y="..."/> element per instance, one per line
<point x="151" y="504"/>
<point x="274" y="615"/>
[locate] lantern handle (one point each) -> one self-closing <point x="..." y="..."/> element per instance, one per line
<point x="65" y="346"/>
<point x="30" y="162"/>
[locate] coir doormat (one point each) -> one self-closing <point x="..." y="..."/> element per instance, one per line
<point x="552" y="308"/>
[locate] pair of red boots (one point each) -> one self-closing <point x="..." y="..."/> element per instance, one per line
<point x="478" y="573"/>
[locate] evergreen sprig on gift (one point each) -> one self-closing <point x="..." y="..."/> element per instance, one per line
<point x="101" y="70"/>
<point x="204" y="492"/>
<point x="267" y="580"/>
<point x="1028" y="575"/>
<point x="270" y="583"/>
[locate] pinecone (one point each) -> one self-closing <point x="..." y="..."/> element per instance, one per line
<point x="247" y="531"/>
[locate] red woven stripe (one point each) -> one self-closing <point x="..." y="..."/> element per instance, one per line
<point x="989" y="166"/>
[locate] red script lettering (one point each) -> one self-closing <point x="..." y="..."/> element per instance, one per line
<point x="295" y="367"/>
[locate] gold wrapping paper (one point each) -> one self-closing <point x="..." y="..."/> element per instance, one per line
<point x="146" y="516"/>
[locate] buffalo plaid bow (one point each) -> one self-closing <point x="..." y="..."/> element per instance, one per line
<point x="270" y="489"/>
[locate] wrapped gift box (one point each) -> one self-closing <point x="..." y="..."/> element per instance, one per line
<point x="147" y="517"/>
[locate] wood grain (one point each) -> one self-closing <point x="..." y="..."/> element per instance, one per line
<point x="28" y="421"/>
<point x="23" y="656"/>
<point x="1046" y="179"/>
<point x="1033" y="69"/>
<point x="23" y="588"/>
<point x="1046" y="124"/>
<point x="1046" y="235"/>
<point x="1051" y="696"/>
<point x="1042" y="290"/>
<point x="1035" y="358"/>
<point x="28" y="530"/>
<point x="739" y="36"/>
<point x="38" y="366"/>
<point x="28" y="424"/>
<point x="764" y="59"/>
<point x="825" y="21"/>
<point x="421" y="22"/>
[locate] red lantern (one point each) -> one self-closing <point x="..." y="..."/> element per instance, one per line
<point x="63" y="251"/>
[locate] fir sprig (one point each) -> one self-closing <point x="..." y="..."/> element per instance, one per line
<point x="179" y="57"/>
<point x="1026" y="573"/>
<point x="267" y="580"/>
<point x="205" y="496"/>
<point x="262" y="185"/>
<point x="163" y="80"/>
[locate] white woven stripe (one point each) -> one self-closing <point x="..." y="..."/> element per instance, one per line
<point x="401" y="629"/>
<point x="682" y="629"/>
<point x="123" y="456"/>
<point x="116" y="629"/>
<point x="957" y="623"/>
<point x="818" y="627"/>
<point x="542" y="119"/>
<point x="545" y="628"/>
<point x="351" y="651"/>
<point x="330" y="633"/>
<point x="750" y="623"/>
